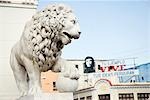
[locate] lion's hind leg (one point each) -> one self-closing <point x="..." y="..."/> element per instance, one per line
<point x="20" y="75"/>
<point x="34" y="74"/>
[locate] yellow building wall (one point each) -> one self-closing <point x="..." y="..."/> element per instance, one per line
<point x="47" y="79"/>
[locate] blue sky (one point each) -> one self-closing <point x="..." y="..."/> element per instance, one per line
<point x="110" y="29"/>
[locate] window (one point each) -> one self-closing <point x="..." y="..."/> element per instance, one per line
<point x="142" y="78"/>
<point x="89" y="98"/>
<point x="128" y="96"/>
<point x="99" y="67"/>
<point x="77" y="66"/>
<point x="82" y="98"/>
<point x="143" y="96"/>
<point x="54" y="86"/>
<point x="104" y="97"/>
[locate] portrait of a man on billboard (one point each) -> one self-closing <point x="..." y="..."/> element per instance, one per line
<point x="89" y="65"/>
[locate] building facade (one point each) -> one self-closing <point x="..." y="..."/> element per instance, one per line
<point x="110" y="81"/>
<point x="13" y="16"/>
<point x="123" y="82"/>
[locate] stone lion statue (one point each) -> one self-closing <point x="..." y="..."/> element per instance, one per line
<point x="39" y="48"/>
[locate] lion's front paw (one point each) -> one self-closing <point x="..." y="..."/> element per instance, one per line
<point x="35" y="90"/>
<point x="72" y="73"/>
<point x="65" y="84"/>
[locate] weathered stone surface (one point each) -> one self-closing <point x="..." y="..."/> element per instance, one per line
<point x="39" y="48"/>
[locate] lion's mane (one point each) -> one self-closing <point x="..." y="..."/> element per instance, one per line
<point x="43" y="34"/>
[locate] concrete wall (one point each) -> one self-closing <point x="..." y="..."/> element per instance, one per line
<point x="12" y="20"/>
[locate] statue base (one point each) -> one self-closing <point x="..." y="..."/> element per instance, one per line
<point x="49" y="96"/>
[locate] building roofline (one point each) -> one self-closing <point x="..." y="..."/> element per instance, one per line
<point x="137" y="85"/>
<point x="85" y="89"/>
<point x="83" y="60"/>
<point x="143" y="64"/>
<point x="74" y="59"/>
<point x="19" y="4"/>
<point x="132" y="84"/>
<point x="26" y="2"/>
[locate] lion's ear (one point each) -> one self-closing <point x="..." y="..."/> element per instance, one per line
<point x="60" y="8"/>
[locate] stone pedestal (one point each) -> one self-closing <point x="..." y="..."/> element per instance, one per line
<point x="49" y="96"/>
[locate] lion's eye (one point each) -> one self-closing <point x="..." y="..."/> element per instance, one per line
<point x="73" y="21"/>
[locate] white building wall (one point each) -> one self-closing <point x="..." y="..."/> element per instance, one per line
<point x="86" y="79"/>
<point x="13" y="17"/>
<point x="102" y="88"/>
<point x="129" y="89"/>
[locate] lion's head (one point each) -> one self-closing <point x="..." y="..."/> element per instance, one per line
<point x="60" y="18"/>
<point x="51" y="29"/>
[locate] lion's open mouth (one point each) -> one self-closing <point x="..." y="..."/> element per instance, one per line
<point x="68" y="35"/>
